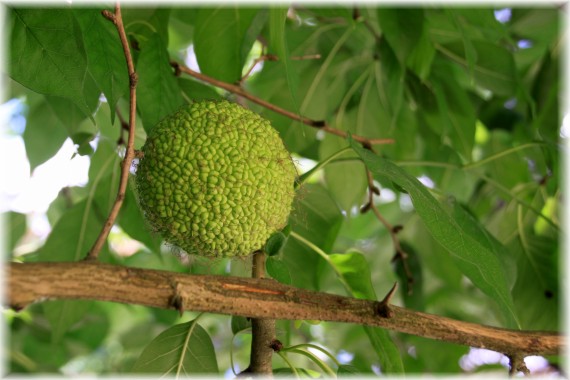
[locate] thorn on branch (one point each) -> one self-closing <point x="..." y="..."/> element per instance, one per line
<point x="139" y="154"/>
<point x="383" y="307"/>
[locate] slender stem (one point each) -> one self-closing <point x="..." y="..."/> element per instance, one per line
<point x="293" y="369"/>
<point x="314" y="346"/>
<point x="501" y="154"/>
<point x="117" y="19"/>
<point x="322" y="164"/>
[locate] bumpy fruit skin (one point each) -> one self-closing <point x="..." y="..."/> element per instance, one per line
<point x="215" y="179"/>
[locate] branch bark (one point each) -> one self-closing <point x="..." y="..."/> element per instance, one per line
<point x="262" y="330"/>
<point x="320" y="124"/>
<point x="255" y="298"/>
<point x="117" y="20"/>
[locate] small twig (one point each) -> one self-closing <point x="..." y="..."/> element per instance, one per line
<point x="393" y="230"/>
<point x="117" y="20"/>
<point x="320" y="124"/>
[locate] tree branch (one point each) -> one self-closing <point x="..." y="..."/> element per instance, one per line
<point x="262" y="330"/>
<point x="117" y="19"/>
<point x="255" y="298"/>
<point x="320" y="124"/>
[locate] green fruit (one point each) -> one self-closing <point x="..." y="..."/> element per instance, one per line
<point x="215" y="179"/>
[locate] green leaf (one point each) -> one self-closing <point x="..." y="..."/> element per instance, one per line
<point x="62" y="315"/>
<point x="132" y="221"/>
<point x="275" y="243"/>
<point x="455" y="117"/>
<point x="16" y="224"/>
<point x="158" y="93"/>
<point x="278" y="270"/>
<point x="355" y="270"/>
<point x="347" y="370"/>
<point x="402" y="27"/>
<point x="105" y="57"/>
<point x="477" y="253"/>
<point x="278" y="46"/>
<point x="72" y="236"/>
<point x="46" y="54"/>
<point x="415" y="299"/>
<point x="239" y="324"/>
<point x="494" y="68"/>
<point x="180" y="350"/>
<point x="346" y="181"/>
<point x="142" y="22"/>
<point x="221" y="41"/>
<point x="407" y="34"/>
<point x="537" y="291"/>
<point x="317" y="218"/>
<point x="44" y="134"/>
<point x="193" y="90"/>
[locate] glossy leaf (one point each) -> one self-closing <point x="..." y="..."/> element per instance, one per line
<point x="158" y="93"/>
<point x="477" y="253"/>
<point x="222" y="42"/>
<point x="16" y="226"/>
<point x="46" y="54"/>
<point x="278" y="270"/>
<point x="356" y="272"/>
<point x="239" y="323"/>
<point x="181" y="350"/>
<point x="105" y="56"/>
<point x="44" y="134"/>
<point x="494" y="68"/>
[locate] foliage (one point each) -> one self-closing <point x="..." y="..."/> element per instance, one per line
<point x="472" y="176"/>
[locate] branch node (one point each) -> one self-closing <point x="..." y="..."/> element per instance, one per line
<point x="276" y="345"/>
<point x="133" y="79"/>
<point x="176" y="67"/>
<point x="17" y="308"/>
<point x="364" y="209"/>
<point x="516" y="364"/>
<point x="397" y="228"/>
<point x="176" y="301"/>
<point x="109" y="16"/>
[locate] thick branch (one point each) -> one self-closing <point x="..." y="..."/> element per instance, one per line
<point x="262" y="329"/>
<point x="255" y="298"/>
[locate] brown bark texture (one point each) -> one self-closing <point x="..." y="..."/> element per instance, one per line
<point x="254" y="298"/>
